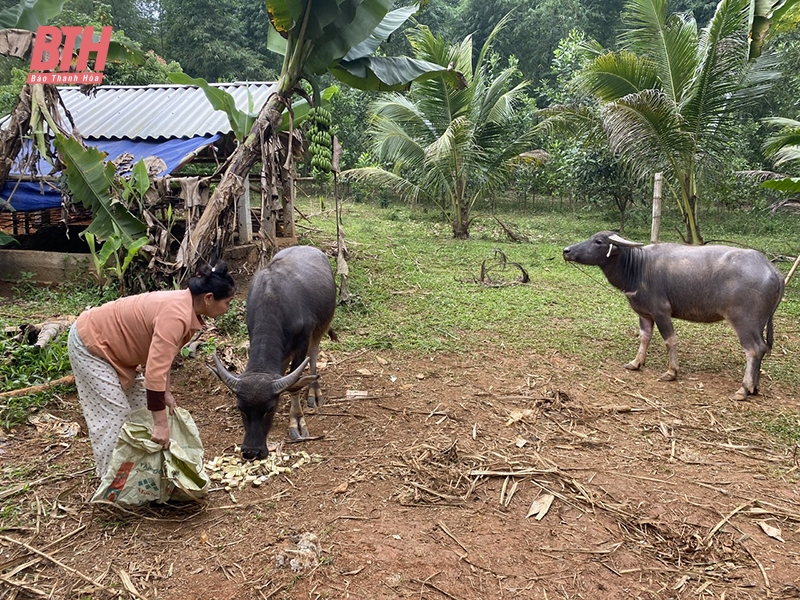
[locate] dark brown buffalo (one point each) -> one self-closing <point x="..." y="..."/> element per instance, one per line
<point x="290" y="307"/>
<point x="694" y="283"/>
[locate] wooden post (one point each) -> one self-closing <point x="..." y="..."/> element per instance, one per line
<point x="244" y="224"/>
<point x="792" y="270"/>
<point x="656" y="224"/>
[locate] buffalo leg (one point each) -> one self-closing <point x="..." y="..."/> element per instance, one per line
<point x="297" y="422"/>
<point x="667" y="331"/>
<point x="313" y="393"/>
<point x="645" y="335"/>
<point x="754" y="350"/>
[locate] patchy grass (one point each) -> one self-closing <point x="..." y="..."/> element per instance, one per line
<point x="782" y="427"/>
<point x="416" y="288"/>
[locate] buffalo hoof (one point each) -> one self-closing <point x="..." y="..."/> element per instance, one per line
<point x="298" y="434"/>
<point x="669" y="376"/>
<point x="740" y="395"/>
<point x="632" y="366"/>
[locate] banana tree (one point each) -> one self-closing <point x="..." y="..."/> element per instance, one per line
<point x="315" y="37"/>
<point x="764" y="14"/>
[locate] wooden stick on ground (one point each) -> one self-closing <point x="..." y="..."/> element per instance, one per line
<point x="67" y="380"/>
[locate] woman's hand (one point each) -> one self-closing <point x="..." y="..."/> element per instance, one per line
<point x="169" y="400"/>
<point x="160" y="433"/>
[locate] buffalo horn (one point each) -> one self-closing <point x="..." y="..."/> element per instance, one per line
<point x="228" y="378"/>
<point x="620" y="241"/>
<point x="284" y="382"/>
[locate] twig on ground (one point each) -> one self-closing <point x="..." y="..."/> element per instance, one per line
<point x="434" y="587"/>
<point x="611" y="550"/>
<point x="58" y="544"/>
<point x="760" y="566"/>
<point x="58" y="563"/>
<point x="707" y="540"/>
<point x="49" y="479"/>
<point x="24" y="586"/>
<point x="443" y="527"/>
<point x="517" y="473"/>
<point x="455" y="499"/>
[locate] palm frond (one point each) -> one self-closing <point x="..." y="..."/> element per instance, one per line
<point x="490" y="39"/>
<point x="786" y="154"/>
<point x="645" y="131"/>
<point x="642" y="19"/>
<point x="383" y="178"/>
<point x="400" y="109"/>
<point x="722" y="76"/>
<point x="670" y="41"/>
<point x="784" y="146"/>
<point x="615" y="75"/>
<point x="572" y="120"/>
<point x="497" y="102"/>
<point x="391" y="143"/>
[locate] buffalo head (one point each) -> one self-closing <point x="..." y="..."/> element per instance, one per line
<point x="257" y="399"/>
<point x="598" y="248"/>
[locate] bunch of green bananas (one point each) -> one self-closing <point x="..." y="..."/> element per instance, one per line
<point x="320" y="141"/>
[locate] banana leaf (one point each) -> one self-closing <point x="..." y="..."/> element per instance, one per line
<point x="391" y="73"/>
<point x="30" y="14"/>
<point x="331" y="29"/>
<point x="391" y="23"/>
<point x="89" y="179"/>
<point x="764" y="14"/>
<point x="241" y="121"/>
<point x="787" y="184"/>
<point x="6" y="239"/>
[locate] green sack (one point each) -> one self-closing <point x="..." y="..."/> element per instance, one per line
<point x="142" y="471"/>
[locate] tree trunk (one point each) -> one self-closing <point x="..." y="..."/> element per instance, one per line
<point x="461" y="221"/>
<point x="692" y="228"/>
<point x="689" y="191"/>
<point x="11" y="136"/>
<point x="214" y="229"/>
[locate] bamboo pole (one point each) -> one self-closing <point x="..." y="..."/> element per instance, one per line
<point x="792" y="270"/>
<point x="656" y="224"/>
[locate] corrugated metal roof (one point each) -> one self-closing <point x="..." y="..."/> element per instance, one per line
<point x="157" y="111"/>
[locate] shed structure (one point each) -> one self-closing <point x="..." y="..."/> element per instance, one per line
<point x="170" y="126"/>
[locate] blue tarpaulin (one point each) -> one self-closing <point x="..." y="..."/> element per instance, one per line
<point x="40" y="196"/>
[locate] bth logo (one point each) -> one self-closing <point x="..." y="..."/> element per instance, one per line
<point x="54" y="50"/>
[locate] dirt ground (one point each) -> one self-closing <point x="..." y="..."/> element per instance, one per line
<point x="471" y="476"/>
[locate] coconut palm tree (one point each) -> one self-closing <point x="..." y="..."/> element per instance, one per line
<point x="671" y="94"/>
<point x="452" y="145"/>
<point x="783" y="148"/>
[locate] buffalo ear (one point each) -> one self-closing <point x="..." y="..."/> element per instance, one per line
<point x="620" y="241"/>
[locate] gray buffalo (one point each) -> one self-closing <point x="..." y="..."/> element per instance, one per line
<point x="290" y="307"/>
<point x="703" y="284"/>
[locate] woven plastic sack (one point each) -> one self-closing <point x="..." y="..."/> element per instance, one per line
<point x="142" y="471"/>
